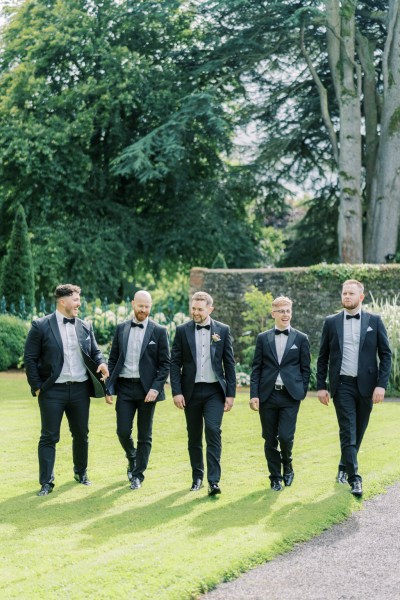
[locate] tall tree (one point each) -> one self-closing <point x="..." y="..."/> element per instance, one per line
<point x="114" y="142"/>
<point x="327" y="101"/>
<point x="17" y="273"/>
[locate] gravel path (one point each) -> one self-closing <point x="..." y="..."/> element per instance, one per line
<point x="356" y="560"/>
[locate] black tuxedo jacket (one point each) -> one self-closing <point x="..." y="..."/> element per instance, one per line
<point x="294" y="368"/>
<point x="44" y="353"/>
<point x="183" y="359"/>
<point x="154" y="357"/>
<point x="373" y="343"/>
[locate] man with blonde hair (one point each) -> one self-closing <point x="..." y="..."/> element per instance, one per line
<point x="279" y="381"/>
<point x="203" y="381"/>
<point x="350" y="343"/>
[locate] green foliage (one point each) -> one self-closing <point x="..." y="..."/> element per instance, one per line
<point x="112" y="137"/>
<point x="17" y="270"/>
<point x="219" y="262"/>
<point x="389" y="309"/>
<point x="13" y="333"/>
<point x="255" y="319"/>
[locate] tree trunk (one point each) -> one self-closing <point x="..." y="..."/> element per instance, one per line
<point x="347" y="78"/>
<point x="384" y="217"/>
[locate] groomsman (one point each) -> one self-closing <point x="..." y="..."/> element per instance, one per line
<point x="203" y="381"/>
<point x="350" y="343"/>
<point x="60" y="351"/>
<point x="139" y="367"/>
<point x="279" y="381"/>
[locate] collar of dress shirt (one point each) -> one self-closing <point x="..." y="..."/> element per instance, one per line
<point x="144" y="323"/>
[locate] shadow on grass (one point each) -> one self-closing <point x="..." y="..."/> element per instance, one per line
<point x="256" y="507"/>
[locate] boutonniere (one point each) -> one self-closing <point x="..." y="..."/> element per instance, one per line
<point x="215" y="337"/>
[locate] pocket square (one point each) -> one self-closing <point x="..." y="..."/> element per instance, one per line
<point x="151" y="342"/>
<point x="294" y="347"/>
<point x="369" y="329"/>
<point x="88" y="338"/>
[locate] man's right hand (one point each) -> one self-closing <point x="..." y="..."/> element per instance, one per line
<point x="179" y="401"/>
<point x="109" y="399"/>
<point x="323" y="396"/>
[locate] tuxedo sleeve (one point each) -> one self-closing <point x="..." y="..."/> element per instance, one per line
<point x="305" y="363"/>
<point x="112" y="361"/>
<point x="256" y="369"/>
<point x="323" y="358"/>
<point x="176" y="364"/>
<point x="384" y="354"/>
<point x="32" y="354"/>
<point x="163" y="362"/>
<point x="229" y="366"/>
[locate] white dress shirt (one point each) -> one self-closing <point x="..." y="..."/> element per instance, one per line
<point x="351" y="345"/>
<point x="204" y="370"/>
<point x="280" y="345"/>
<point x="73" y="368"/>
<point x="132" y="358"/>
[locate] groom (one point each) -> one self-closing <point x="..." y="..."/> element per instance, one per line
<point x="203" y="382"/>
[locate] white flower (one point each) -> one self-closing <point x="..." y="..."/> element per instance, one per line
<point x="215" y="337"/>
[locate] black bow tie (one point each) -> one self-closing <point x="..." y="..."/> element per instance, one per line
<point x="72" y="321"/>
<point x="133" y="324"/>
<point x="203" y="327"/>
<point x="357" y="316"/>
<point x="284" y="331"/>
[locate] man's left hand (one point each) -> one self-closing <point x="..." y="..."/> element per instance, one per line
<point x="378" y="395"/>
<point x="151" y="396"/>
<point x="104" y="370"/>
<point x="228" y="403"/>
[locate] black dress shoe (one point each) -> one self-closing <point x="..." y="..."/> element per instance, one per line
<point x="130" y="469"/>
<point x="45" y="490"/>
<point x="356" y="488"/>
<point x="276" y="486"/>
<point x="135" y="483"/>
<point x="196" y="485"/>
<point x="213" y="489"/>
<point x="341" y="477"/>
<point x="83" y="479"/>
<point x="288" y="478"/>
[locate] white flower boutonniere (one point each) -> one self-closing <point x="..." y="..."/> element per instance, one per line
<point x="215" y="337"/>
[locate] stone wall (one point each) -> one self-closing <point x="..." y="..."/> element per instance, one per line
<point x="315" y="291"/>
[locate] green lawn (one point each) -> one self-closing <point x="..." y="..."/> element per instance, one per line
<point x="106" y="541"/>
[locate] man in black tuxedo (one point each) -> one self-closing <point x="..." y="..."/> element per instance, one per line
<point x="203" y="381"/>
<point x="350" y="343"/>
<point x="279" y="381"/>
<point x="139" y="366"/>
<point x="57" y="349"/>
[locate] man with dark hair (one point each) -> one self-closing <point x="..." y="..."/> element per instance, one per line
<point x="203" y="382"/>
<point x="139" y="367"/>
<point x="57" y="349"/>
<point x="351" y="341"/>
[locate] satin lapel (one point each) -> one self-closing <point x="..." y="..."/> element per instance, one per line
<point x="271" y="341"/>
<point x="125" y="336"/>
<point x="213" y="345"/>
<point x="339" y="329"/>
<point x="365" y="317"/>
<point x="191" y="339"/>
<point x="147" y="336"/>
<point x="56" y="332"/>
<point x="289" y="343"/>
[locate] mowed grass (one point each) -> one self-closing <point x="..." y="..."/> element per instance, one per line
<point x="163" y="542"/>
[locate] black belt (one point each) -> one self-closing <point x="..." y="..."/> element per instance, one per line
<point x="134" y="379"/>
<point x="279" y="387"/>
<point x="347" y="378"/>
<point x="70" y="382"/>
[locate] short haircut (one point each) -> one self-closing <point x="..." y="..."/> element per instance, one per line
<point x="354" y="282"/>
<point x="281" y="300"/>
<point x="203" y="297"/>
<point x="66" y="289"/>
